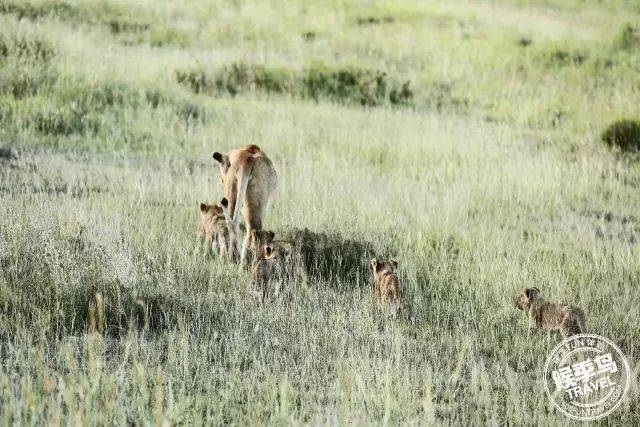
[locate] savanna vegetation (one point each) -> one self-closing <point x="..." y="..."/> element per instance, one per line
<point x="487" y="145"/>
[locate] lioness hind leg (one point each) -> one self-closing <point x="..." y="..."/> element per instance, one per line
<point x="246" y="241"/>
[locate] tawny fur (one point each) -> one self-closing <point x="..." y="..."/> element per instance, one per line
<point x="386" y="285"/>
<point x="294" y="267"/>
<point x="214" y="229"/>
<point x="269" y="270"/>
<point x="249" y="180"/>
<point x="567" y="319"/>
<point x="259" y="239"/>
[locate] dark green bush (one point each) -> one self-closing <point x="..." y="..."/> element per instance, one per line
<point x="26" y="48"/>
<point x="168" y="36"/>
<point x="343" y="85"/>
<point x="196" y="80"/>
<point x="560" y="57"/>
<point x="624" y="134"/>
<point x="628" y="38"/>
<point x="65" y="120"/>
<point x="186" y="110"/>
<point x="99" y="97"/>
<point x="24" y="9"/>
<point x="24" y="84"/>
<point x="119" y="25"/>
<point x="24" y="65"/>
<point x="369" y="20"/>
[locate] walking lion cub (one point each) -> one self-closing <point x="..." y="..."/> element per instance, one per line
<point x="214" y="229"/>
<point x="386" y="285"/>
<point x="567" y="319"/>
<point x="269" y="270"/>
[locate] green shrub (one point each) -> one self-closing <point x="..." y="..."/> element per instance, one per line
<point x="624" y="134"/>
<point x="628" y="38"/>
<point x="196" y="80"/>
<point x="343" y="85"/>
<point x="65" y="120"/>
<point x="26" y="48"/>
<point x="24" y="80"/>
<point x="24" y="65"/>
<point x="185" y="109"/>
<point x="24" y="9"/>
<point x="233" y="79"/>
<point x="119" y="19"/>
<point x="369" y="20"/>
<point x="101" y="96"/>
<point x="124" y="24"/>
<point x="168" y="36"/>
<point x="561" y="57"/>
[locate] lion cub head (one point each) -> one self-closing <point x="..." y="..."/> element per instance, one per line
<point x="212" y="217"/>
<point x="526" y="297"/>
<point x="386" y="285"/>
<point x="269" y="265"/>
<point x="259" y="239"/>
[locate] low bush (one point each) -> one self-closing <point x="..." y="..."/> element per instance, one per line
<point x="628" y="38"/>
<point x="561" y="57"/>
<point x="26" y="48"/>
<point x="624" y="134"/>
<point x="24" y="65"/>
<point x="24" y="9"/>
<point x="343" y="85"/>
<point x="168" y="36"/>
<point x="369" y="20"/>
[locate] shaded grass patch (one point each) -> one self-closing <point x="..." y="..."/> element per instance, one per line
<point x="329" y="257"/>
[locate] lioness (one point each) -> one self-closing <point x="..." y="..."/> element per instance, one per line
<point x="386" y="285"/>
<point x="568" y="319"/>
<point x="249" y="187"/>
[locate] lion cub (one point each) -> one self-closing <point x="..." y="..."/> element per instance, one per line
<point x="259" y="239"/>
<point x="269" y="269"/>
<point x="567" y="319"/>
<point x="214" y="230"/>
<point x="386" y="285"/>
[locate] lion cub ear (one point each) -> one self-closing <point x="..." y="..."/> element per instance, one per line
<point x="394" y="262"/>
<point x="374" y="264"/>
<point x="272" y="235"/>
<point x="203" y="207"/>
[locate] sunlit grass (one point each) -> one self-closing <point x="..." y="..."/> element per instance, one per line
<point x="495" y="179"/>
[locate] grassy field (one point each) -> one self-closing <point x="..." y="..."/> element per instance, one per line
<point x="461" y="137"/>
